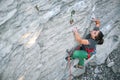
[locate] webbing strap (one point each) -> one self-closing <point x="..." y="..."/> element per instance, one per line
<point x="89" y="51"/>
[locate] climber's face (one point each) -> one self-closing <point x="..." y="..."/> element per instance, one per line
<point x="94" y="33"/>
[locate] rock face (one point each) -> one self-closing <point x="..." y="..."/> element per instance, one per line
<point x="34" y="35"/>
<point x="103" y="71"/>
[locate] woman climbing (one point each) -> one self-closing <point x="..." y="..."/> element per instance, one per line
<point x="88" y="44"/>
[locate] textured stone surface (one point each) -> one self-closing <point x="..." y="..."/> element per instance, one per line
<point x="103" y="71"/>
<point x="34" y="35"/>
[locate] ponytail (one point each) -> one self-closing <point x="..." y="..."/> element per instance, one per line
<point x="100" y="41"/>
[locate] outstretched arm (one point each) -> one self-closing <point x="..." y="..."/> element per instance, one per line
<point x="78" y="38"/>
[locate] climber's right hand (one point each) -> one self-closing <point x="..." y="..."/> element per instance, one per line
<point x="75" y="29"/>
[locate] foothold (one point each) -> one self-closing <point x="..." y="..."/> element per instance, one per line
<point x="110" y="64"/>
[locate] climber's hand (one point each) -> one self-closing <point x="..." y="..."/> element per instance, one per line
<point x="97" y="22"/>
<point x="75" y="30"/>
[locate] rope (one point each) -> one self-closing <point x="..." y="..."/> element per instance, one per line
<point x="69" y="68"/>
<point x="71" y="22"/>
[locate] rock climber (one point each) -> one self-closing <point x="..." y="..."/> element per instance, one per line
<point x="88" y="45"/>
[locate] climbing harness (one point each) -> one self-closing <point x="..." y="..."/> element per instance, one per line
<point x="89" y="51"/>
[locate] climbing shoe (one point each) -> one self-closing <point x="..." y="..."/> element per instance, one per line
<point x="78" y="66"/>
<point x="68" y="58"/>
<point x="69" y="52"/>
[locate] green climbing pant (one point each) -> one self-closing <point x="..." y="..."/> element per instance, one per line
<point x="81" y="55"/>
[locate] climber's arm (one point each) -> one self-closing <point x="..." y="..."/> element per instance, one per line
<point x="79" y="39"/>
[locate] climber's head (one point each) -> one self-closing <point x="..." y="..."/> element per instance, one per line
<point x="98" y="36"/>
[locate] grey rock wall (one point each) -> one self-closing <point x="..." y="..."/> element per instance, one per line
<point x="107" y="71"/>
<point x="34" y="35"/>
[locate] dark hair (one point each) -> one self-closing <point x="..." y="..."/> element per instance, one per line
<point x="99" y="38"/>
